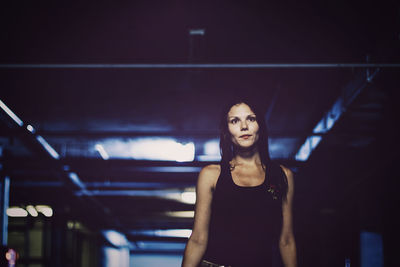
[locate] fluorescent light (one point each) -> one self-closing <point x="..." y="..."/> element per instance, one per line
<point x="30" y="128"/>
<point x="164" y="233"/>
<point x="45" y="210"/>
<point x="211" y="151"/>
<point x="150" y="148"/>
<point x="197" y="31"/>
<point x="161" y="149"/>
<point x="116" y="238"/>
<point x="180" y="214"/>
<point x="188" y="197"/>
<point x="102" y="151"/>
<point x="309" y="145"/>
<point x="11" y="114"/>
<point x="48" y="147"/>
<point x="16" y="212"/>
<point x="75" y="179"/>
<point x="32" y="211"/>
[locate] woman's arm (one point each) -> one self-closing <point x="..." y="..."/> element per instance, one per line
<point x="287" y="244"/>
<point x="197" y="243"/>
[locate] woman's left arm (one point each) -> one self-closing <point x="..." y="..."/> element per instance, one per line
<point x="287" y="244"/>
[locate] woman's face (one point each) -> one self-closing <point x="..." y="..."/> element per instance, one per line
<point x="242" y="125"/>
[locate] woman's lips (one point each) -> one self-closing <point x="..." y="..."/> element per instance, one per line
<point x="245" y="136"/>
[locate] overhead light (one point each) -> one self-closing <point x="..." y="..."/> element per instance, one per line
<point x="150" y="148"/>
<point x="197" y="31"/>
<point x="30" y="128"/>
<point x="188" y="197"/>
<point x="161" y="149"/>
<point x="48" y="147"/>
<point x="211" y="151"/>
<point x="116" y="238"/>
<point x="75" y="179"/>
<point x="45" y="210"/>
<point x="16" y="212"/>
<point x="102" y="151"/>
<point x="11" y="114"/>
<point x="180" y="214"/>
<point x="164" y="232"/>
<point x="32" y="211"/>
<point x="309" y="145"/>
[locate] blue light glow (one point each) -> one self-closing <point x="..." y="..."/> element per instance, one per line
<point x="309" y="145"/>
<point x="371" y="249"/>
<point x="154" y="245"/>
<point x="75" y="179"/>
<point x="327" y="122"/>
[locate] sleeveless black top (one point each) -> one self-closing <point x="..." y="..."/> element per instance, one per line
<point x="245" y="222"/>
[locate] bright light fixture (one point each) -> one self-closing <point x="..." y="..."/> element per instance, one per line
<point x="32" y="211"/>
<point x="180" y="214"/>
<point x="16" y="212"/>
<point x="116" y="238"/>
<point x="102" y="151"/>
<point x="161" y="149"/>
<point x="211" y="151"/>
<point x="30" y="128"/>
<point x="45" y="210"/>
<point x="174" y="233"/>
<point x="309" y="145"/>
<point x="11" y="114"/>
<point x="48" y="147"/>
<point x="188" y="197"/>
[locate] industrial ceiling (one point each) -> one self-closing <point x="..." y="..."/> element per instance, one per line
<point x="101" y="76"/>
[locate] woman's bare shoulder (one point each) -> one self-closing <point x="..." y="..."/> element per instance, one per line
<point x="213" y="169"/>
<point x="209" y="174"/>
<point x="288" y="172"/>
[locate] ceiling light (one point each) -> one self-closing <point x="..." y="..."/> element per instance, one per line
<point x="32" y="211"/>
<point x="11" y="114"/>
<point x="16" y="212"/>
<point x="102" y="151"/>
<point x="45" y="210"/>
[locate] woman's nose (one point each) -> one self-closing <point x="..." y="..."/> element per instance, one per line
<point x="243" y="126"/>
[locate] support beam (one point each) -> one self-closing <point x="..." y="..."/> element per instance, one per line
<point x="350" y="92"/>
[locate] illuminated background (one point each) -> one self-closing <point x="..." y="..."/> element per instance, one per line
<point x="102" y="161"/>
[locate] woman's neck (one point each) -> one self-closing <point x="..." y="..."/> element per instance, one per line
<point x="247" y="157"/>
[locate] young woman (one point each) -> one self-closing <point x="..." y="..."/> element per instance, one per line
<point x="243" y="214"/>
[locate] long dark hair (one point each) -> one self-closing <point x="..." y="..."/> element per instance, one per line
<point x="227" y="147"/>
<point x="225" y="142"/>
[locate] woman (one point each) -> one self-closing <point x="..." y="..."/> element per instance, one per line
<point x="243" y="214"/>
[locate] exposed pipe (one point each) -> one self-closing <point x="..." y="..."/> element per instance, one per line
<point x="200" y="66"/>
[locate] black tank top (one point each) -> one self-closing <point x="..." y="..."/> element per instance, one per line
<point x="245" y="222"/>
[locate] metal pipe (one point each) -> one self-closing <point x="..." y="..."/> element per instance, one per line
<point x="200" y="66"/>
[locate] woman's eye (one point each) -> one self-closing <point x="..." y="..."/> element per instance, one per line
<point x="233" y="121"/>
<point x="252" y="119"/>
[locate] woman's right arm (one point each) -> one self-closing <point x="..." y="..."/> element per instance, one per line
<point x="197" y="243"/>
